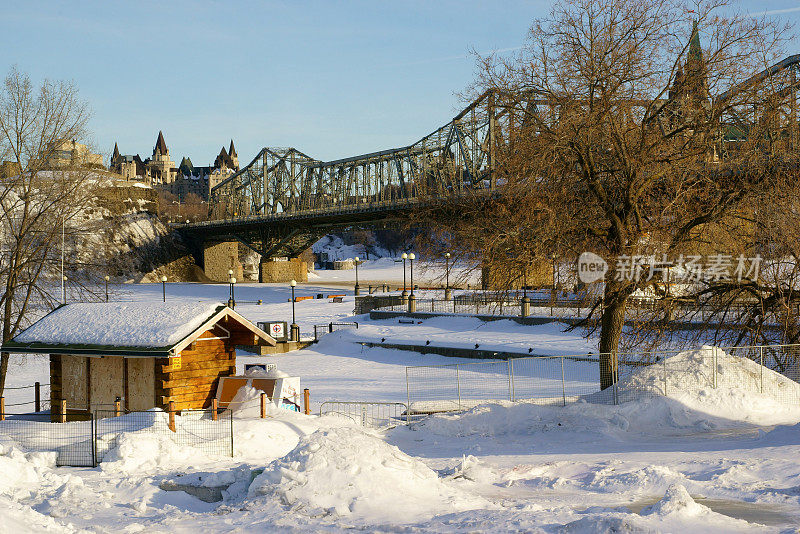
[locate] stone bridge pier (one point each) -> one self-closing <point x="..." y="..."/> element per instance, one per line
<point x="219" y="258"/>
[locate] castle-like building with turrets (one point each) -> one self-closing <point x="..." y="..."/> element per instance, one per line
<point x="159" y="170"/>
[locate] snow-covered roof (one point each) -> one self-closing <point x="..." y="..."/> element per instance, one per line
<point x="157" y="326"/>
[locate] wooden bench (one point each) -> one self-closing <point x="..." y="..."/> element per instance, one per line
<point x="336" y="299"/>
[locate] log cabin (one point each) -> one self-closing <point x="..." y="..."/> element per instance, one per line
<point x="146" y="354"/>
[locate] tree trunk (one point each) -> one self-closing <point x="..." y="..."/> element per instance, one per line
<point x="3" y="371"/>
<point x="611" y="324"/>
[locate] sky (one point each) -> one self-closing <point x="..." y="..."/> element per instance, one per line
<point x="330" y="78"/>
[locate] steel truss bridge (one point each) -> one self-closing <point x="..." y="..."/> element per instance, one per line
<point x="284" y="200"/>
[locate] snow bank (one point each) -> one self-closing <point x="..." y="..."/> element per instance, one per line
<point x="146" y="451"/>
<point x="132" y="324"/>
<point x="347" y="472"/>
<point x="685" y="414"/>
<point x="710" y="366"/>
<point x="745" y="390"/>
<point x="21" y="519"/>
<point x="246" y="404"/>
<point x="21" y="473"/>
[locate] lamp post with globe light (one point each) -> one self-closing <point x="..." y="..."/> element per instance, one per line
<point x="64" y="287"/>
<point x="412" y="300"/>
<point x="448" y="293"/>
<point x="356" y="290"/>
<point x="404" y="294"/>
<point x="231" y="281"/>
<point x="164" y="288"/>
<point x="107" y="278"/>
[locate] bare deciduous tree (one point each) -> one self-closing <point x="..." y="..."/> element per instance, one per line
<point x="42" y="190"/>
<point x="624" y="136"/>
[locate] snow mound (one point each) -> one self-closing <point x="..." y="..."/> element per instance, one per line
<point x="345" y="471"/>
<point x="677" y="501"/>
<point x="711" y="368"/>
<point x="258" y="372"/>
<point x="23" y="472"/>
<point x="246" y="404"/>
<point x="145" y="450"/>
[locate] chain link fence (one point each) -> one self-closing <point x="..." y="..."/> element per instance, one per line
<point x="770" y="370"/>
<point x="369" y="414"/>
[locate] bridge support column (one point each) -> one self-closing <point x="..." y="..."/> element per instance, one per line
<point x="219" y="258"/>
<point x="272" y="271"/>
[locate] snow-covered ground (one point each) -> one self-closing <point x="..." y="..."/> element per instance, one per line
<point x="699" y="460"/>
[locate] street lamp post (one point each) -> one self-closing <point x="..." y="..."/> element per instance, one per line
<point x="448" y="293"/>
<point x="64" y="288"/>
<point x="231" y="281"/>
<point x="356" y="289"/>
<point x="106" y="278"/>
<point x="404" y="294"/>
<point x="294" y="329"/>
<point x="164" y="287"/>
<point x="411" y="258"/>
<point x="412" y="300"/>
<point x="525" y="303"/>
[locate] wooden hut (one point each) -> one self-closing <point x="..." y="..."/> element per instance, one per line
<point x="147" y="354"/>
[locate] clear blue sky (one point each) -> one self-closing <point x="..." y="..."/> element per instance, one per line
<point x="331" y="78"/>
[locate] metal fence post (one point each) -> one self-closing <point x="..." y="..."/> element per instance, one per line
<point x="458" y="386"/>
<point x="408" y="393"/>
<point x="93" y="431"/>
<point x="563" y="385"/>
<point x="714" y="363"/>
<point x="664" y="367"/>
<point x="230" y="414"/>
<point x="761" y="369"/>
<point x="38" y="396"/>
<point x="510" y="366"/>
<point x="171" y="416"/>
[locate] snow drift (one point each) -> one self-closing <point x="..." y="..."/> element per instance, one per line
<point x="346" y="471"/>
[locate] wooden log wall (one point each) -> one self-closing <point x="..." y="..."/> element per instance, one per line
<point x="194" y="385"/>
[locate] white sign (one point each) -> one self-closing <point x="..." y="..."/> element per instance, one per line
<point x="276" y="329"/>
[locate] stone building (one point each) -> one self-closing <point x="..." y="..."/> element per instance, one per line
<point x="159" y="170"/>
<point x="70" y="153"/>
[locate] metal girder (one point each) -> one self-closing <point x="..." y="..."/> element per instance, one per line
<point x="283" y="184"/>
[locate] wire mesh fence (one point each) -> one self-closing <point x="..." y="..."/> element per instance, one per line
<point x="769" y="370"/>
<point x="194" y="430"/>
<point x="369" y="414"/>
<point x="85" y="439"/>
<point x="71" y="441"/>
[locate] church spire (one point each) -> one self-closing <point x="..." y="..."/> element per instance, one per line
<point x="115" y="155"/>
<point x="232" y="151"/>
<point x="161" y="145"/>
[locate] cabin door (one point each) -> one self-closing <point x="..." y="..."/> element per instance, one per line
<point x="106" y="382"/>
